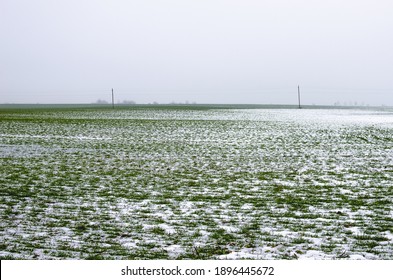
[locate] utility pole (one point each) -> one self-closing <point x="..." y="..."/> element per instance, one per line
<point x="298" y="95"/>
<point x="113" y="100"/>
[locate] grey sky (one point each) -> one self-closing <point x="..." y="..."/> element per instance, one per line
<point x="207" y="51"/>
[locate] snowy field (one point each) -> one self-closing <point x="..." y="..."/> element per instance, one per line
<point x="196" y="183"/>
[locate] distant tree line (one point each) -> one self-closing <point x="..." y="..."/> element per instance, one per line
<point x="125" y="102"/>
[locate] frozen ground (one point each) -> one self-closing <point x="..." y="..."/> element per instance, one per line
<point x="187" y="183"/>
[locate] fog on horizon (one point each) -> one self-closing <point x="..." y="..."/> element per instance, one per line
<point x="208" y="51"/>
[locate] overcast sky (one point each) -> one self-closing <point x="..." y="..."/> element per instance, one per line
<point x="204" y="51"/>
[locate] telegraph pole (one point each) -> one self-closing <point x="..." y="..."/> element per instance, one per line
<point x="113" y="100"/>
<point x="298" y="95"/>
